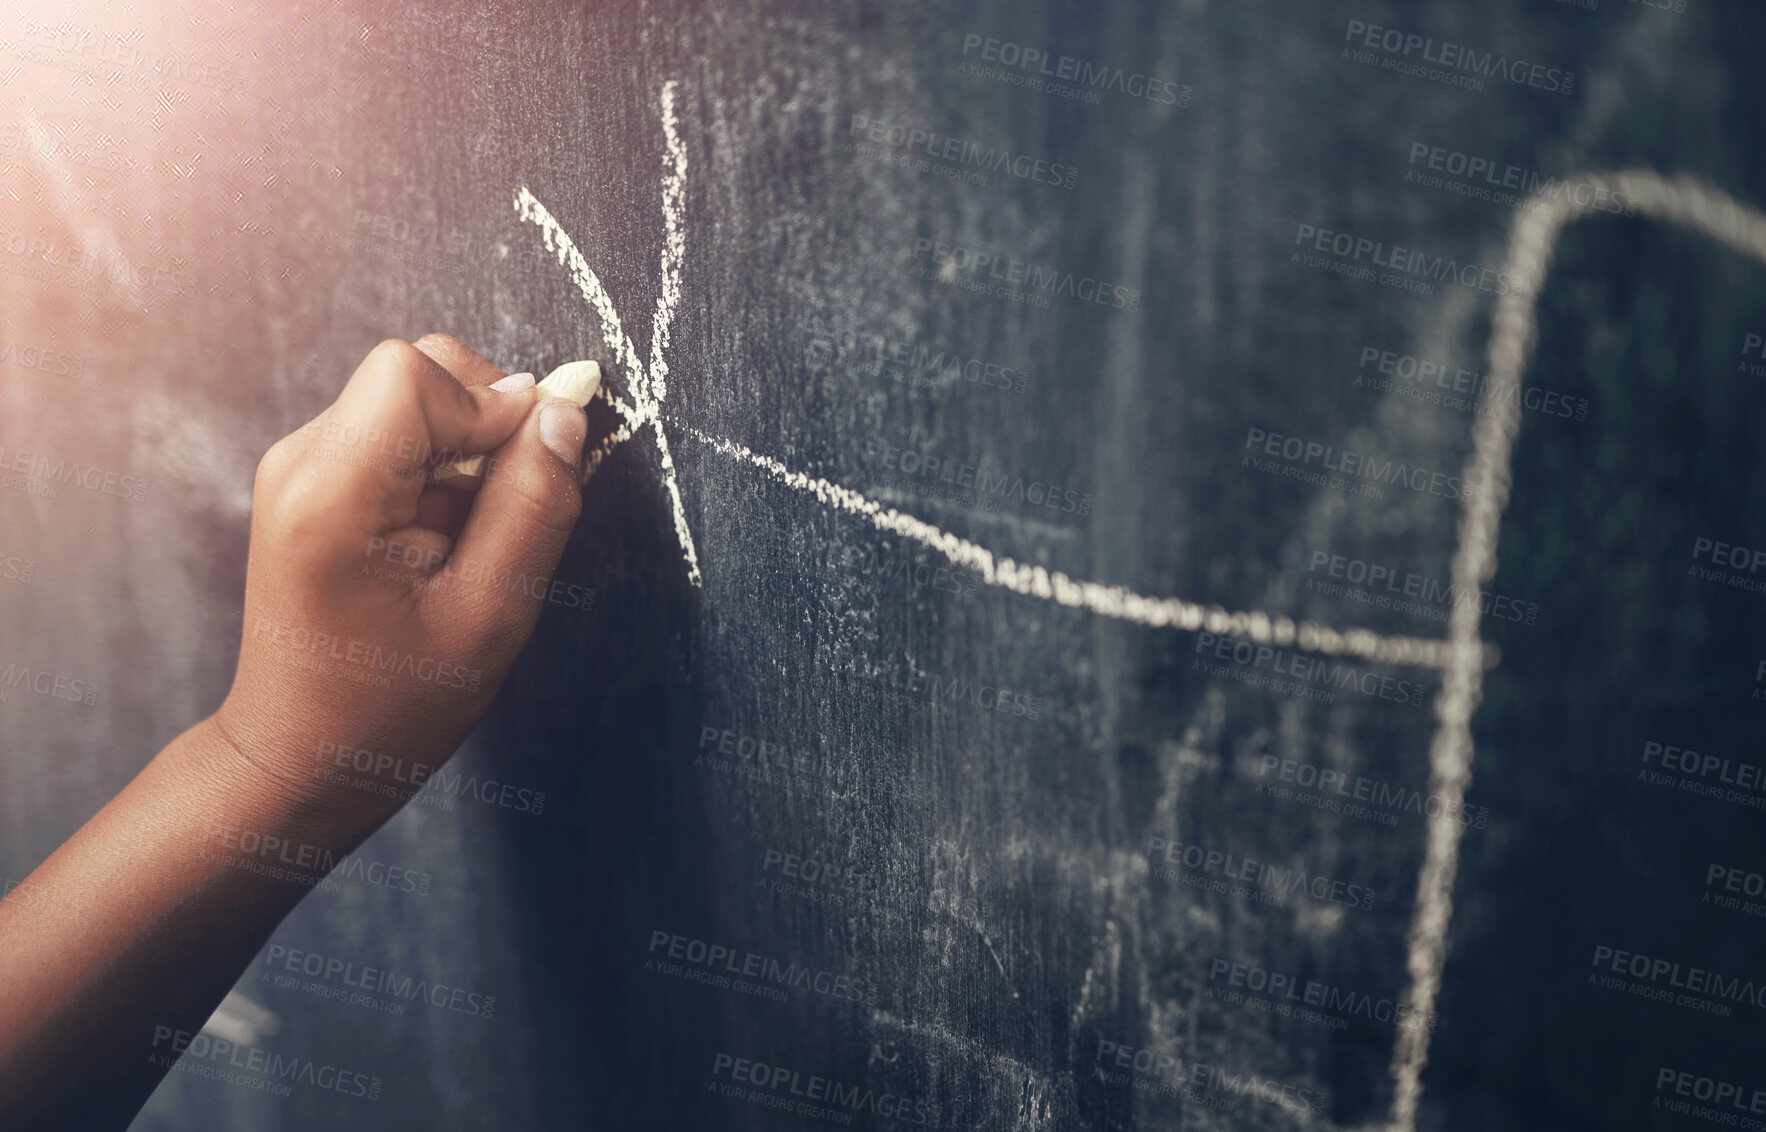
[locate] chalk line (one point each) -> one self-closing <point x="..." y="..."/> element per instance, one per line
<point x="674" y="246"/>
<point x="1108" y="600"/>
<point x="1683" y="201"/>
<point x="558" y="242"/>
<point x="1462" y="655"/>
<point x="649" y="387"/>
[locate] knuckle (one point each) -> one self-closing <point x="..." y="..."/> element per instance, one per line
<point x="543" y="498"/>
<point x="440" y="346"/>
<point x="296" y="508"/>
<point x="555" y="509"/>
<point x="397" y="357"/>
<point x="273" y="466"/>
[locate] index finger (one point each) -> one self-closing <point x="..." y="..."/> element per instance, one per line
<point x="398" y="414"/>
<point x="469" y="367"/>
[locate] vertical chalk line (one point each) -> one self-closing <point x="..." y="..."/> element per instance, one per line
<point x="1462" y="655"/>
<point x="648" y="385"/>
<point x="1684" y="202"/>
<point x="645" y="410"/>
<point x="668" y="293"/>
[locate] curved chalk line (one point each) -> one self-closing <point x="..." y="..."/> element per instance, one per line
<point x="644" y="410"/>
<point x="1462" y="655"/>
<point x="1107" y="600"/>
<point x="1682" y="201"/>
<point x="648" y="385"/>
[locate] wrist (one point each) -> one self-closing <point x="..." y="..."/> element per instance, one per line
<point x="275" y="773"/>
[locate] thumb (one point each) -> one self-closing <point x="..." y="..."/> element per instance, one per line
<point x="520" y="521"/>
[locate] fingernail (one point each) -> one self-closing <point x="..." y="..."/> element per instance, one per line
<point x="563" y="426"/>
<point x="514" y="383"/>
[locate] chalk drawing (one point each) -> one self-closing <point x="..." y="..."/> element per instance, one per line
<point x="1462" y="655"/>
<point x="649" y="389"/>
<point x="648" y="384"/>
<point x="1682" y="201"/>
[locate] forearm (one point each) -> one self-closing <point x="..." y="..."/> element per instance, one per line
<point x="121" y="944"/>
<point x="141" y="922"/>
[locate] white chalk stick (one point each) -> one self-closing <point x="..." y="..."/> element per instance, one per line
<point x="572" y="381"/>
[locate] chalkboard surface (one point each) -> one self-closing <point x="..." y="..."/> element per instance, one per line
<point x="787" y="817"/>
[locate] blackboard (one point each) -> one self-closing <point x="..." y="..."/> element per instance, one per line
<point x="831" y="830"/>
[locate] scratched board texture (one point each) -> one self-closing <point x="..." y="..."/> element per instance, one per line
<point x="967" y="853"/>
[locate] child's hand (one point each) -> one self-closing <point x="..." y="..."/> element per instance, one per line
<point x="381" y="614"/>
<point x="382" y="611"/>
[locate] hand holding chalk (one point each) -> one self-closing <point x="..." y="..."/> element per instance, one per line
<point x="383" y="609"/>
<point x="572" y="381"/>
<point x="382" y="613"/>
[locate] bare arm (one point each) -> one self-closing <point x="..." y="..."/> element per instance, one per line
<point x="378" y="616"/>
